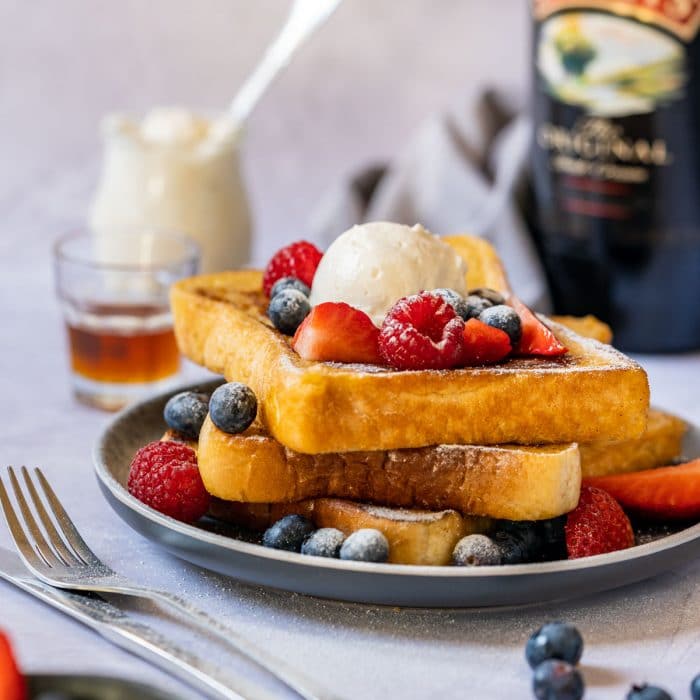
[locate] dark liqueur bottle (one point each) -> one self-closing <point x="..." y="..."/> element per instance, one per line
<point x="616" y="164"/>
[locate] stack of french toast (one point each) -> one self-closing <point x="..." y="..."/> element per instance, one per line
<point x="425" y="456"/>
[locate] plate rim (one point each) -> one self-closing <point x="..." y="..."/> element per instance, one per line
<point x="414" y="570"/>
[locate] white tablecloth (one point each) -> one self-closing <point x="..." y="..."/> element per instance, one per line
<point x="648" y="631"/>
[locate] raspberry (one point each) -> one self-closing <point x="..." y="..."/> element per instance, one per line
<point x="164" y="476"/>
<point x="597" y="525"/>
<point x="298" y="260"/>
<point x="422" y="331"/>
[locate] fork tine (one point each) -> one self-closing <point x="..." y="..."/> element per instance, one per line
<point x="59" y="546"/>
<point x="16" y="529"/>
<point x="68" y="529"/>
<point x="42" y="546"/>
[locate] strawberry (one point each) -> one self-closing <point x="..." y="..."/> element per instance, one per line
<point x="298" y="260"/>
<point x="536" y="339"/>
<point x="422" y="331"/>
<point x="597" y="525"/>
<point x="483" y="343"/>
<point x="337" y="332"/>
<point x="669" y="493"/>
<point x="12" y="683"/>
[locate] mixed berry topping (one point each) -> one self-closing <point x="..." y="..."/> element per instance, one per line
<point x="287" y="309"/>
<point x="298" y="260"/>
<point x="367" y="544"/>
<point x="185" y="413"/>
<point x="422" y="331"/>
<point x="233" y="407"/>
<point x="165" y="476"/>
<point x="483" y="344"/>
<point x="288" y="533"/>
<point x="337" y="332"/>
<point x="476" y="550"/>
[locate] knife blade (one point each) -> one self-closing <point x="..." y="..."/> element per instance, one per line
<point x="116" y="626"/>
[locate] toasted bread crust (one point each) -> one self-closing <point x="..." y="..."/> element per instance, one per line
<point x="660" y="445"/>
<point x="515" y="483"/>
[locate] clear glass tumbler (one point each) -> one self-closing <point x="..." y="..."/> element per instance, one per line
<point x="114" y="300"/>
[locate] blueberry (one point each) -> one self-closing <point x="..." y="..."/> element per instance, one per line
<point x="325" y="542"/>
<point x="288" y="309"/>
<point x="476" y="550"/>
<point x="648" y="692"/>
<point x="504" y="318"/>
<point x="553" y="538"/>
<point x="513" y="549"/>
<point x="365" y="545"/>
<point x="555" y="640"/>
<point x="491" y="295"/>
<point x="233" y="407"/>
<point x="289" y="283"/>
<point x="454" y="299"/>
<point x="474" y="306"/>
<point x="557" y="680"/>
<point x="185" y="412"/>
<point x="288" y="533"/>
<point x="695" y="688"/>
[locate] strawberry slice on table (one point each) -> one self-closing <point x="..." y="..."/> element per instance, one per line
<point x="536" y="339"/>
<point x="337" y="332"/>
<point x="669" y="493"/>
<point x="597" y="525"/>
<point x="483" y="343"/>
<point x="12" y="683"/>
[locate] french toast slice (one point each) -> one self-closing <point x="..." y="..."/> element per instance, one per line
<point x="660" y="444"/>
<point x="415" y="536"/>
<point x="591" y="393"/>
<point x="508" y="482"/>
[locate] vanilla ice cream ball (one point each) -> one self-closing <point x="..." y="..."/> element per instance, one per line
<point x="373" y="265"/>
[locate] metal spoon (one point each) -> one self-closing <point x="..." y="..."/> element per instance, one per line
<point x="304" y="18"/>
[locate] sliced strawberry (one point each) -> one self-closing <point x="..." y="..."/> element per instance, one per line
<point x="536" y="339"/>
<point x="671" y="493"/>
<point x="483" y="343"/>
<point x="12" y="683"/>
<point x="337" y="332"/>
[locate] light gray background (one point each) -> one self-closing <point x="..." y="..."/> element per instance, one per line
<point x="355" y="95"/>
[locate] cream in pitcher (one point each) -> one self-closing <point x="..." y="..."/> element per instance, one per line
<point x="175" y="171"/>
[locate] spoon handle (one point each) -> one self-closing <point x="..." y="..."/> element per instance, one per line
<point x="304" y="18"/>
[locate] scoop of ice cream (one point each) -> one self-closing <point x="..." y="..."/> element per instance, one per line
<point x="373" y="265"/>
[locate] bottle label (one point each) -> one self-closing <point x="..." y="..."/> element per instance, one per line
<point x="680" y="17"/>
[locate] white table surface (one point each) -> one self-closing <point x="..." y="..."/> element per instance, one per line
<point x="648" y="631"/>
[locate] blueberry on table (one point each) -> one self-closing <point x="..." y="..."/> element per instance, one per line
<point x="288" y="309"/>
<point x="288" y="533"/>
<point x="185" y="412"/>
<point x="648" y="692"/>
<point x="555" y="640"/>
<point x="695" y="688"/>
<point x="491" y="295"/>
<point x="365" y="545"/>
<point x="325" y="542"/>
<point x="455" y="300"/>
<point x="504" y="318"/>
<point x="476" y="550"/>
<point x="289" y="283"/>
<point x="233" y="407"/>
<point x="557" y="680"/>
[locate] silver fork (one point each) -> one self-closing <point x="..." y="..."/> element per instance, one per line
<point x="65" y="561"/>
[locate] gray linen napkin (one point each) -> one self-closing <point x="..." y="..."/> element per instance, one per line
<point x="451" y="180"/>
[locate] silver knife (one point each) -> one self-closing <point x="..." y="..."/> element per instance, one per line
<point x="118" y="627"/>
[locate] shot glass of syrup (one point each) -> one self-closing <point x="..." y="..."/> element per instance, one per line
<point x="114" y="297"/>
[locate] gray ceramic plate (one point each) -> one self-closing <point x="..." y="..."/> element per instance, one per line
<point x="387" y="584"/>
<point x="92" y="688"/>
